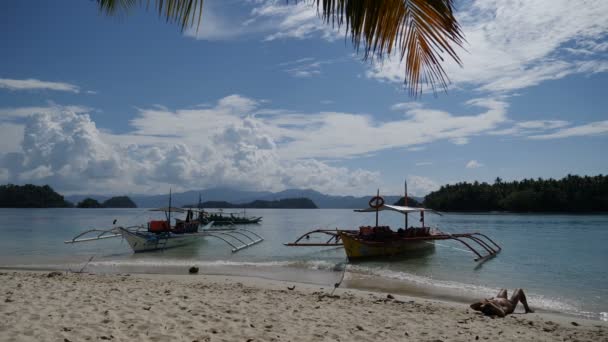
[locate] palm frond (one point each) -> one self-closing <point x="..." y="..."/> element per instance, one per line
<point x="184" y="12"/>
<point x="418" y="30"/>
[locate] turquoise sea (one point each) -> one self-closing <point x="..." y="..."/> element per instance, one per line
<point x="560" y="260"/>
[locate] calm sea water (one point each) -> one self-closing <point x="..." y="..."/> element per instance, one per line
<point x="560" y="260"/>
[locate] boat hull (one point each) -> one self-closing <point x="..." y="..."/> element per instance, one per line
<point x="357" y="248"/>
<point x="144" y="241"/>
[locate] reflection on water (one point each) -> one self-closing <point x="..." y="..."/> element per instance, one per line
<point x="559" y="259"/>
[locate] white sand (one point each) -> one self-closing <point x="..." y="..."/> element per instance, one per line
<point x="83" y="307"/>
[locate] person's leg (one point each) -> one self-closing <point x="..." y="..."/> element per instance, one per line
<point x="502" y="294"/>
<point x="519" y="296"/>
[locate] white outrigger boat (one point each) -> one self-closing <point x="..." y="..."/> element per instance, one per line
<point x="160" y="234"/>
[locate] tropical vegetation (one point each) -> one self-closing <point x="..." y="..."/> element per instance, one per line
<point x="119" y="202"/>
<point x="30" y="196"/>
<point x="569" y="194"/>
<point x="418" y="31"/>
<point x="89" y="203"/>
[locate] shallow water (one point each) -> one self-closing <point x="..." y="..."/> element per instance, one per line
<point x="560" y="260"/>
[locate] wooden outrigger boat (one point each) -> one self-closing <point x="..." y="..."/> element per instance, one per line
<point x="381" y="241"/>
<point x="220" y="218"/>
<point x="160" y="234"/>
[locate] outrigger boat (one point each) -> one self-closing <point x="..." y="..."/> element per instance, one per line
<point x="381" y="241"/>
<point x="220" y="218"/>
<point x="160" y="234"/>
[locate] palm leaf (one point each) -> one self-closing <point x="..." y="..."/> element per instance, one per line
<point x="184" y="12"/>
<point x="420" y="31"/>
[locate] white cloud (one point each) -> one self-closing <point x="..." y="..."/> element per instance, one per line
<point x="473" y="164"/>
<point x="518" y="44"/>
<point x="330" y="134"/>
<point x="420" y="186"/>
<point x="426" y="163"/>
<point x="11" y="135"/>
<point x="67" y="150"/>
<point x="34" y="84"/>
<point x="238" y="142"/>
<point x="273" y="19"/>
<point x="23" y="112"/>
<point x="306" y="67"/>
<point x="590" y="129"/>
<point x="530" y="127"/>
<point x="297" y="20"/>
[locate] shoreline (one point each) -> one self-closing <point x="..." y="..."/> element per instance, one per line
<point x="325" y="278"/>
<point x="79" y="306"/>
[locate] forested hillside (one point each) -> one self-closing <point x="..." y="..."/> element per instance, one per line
<point x="569" y="194"/>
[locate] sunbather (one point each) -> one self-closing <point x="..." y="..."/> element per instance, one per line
<point x="500" y="305"/>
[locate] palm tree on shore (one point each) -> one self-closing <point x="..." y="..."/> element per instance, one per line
<point x="418" y="31"/>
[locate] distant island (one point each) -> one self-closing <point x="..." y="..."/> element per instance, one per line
<point x="88" y="203"/>
<point x="573" y="194"/>
<point x="287" y="203"/>
<point x="31" y="196"/>
<point x="119" y="202"/>
<point x="411" y="202"/>
<point x="35" y="196"/>
<point x="114" y="202"/>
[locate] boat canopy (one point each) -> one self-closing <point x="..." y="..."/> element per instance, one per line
<point x="170" y="209"/>
<point x="397" y="208"/>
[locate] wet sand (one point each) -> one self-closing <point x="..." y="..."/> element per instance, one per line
<point x="45" y="306"/>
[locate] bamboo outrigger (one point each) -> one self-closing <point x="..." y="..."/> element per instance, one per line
<point x="160" y="234"/>
<point x="381" y="241"/>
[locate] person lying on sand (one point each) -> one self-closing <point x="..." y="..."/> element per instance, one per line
<point x="500" y="305"/>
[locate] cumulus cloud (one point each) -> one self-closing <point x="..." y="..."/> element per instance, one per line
<point x="66" y="149"/>
<point x="34" y="84"/>
<point x="239" y="142"/>
<point x="473" y="164"/>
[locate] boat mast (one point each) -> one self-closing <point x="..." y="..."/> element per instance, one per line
<point x="405" y="202"/>
<point x="377" y="196"/>
<point x="169" y="212"/>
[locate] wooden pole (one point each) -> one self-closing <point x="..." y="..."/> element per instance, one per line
<point x="405" y="201"/>
<point x="377" y="208"/>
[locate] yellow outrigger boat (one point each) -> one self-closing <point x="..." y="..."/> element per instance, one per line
<point x="381" y="241"/>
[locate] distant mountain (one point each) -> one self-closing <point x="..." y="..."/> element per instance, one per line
<point x="243" y="196"/>
<point x="287" y="203"/>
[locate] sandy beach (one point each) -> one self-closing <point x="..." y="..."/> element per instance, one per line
<point x="43" y="306"/>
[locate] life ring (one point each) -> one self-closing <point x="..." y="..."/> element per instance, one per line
<point x="376" y="202"/>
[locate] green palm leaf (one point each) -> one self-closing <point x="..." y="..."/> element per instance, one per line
<point x="419" y="31"/>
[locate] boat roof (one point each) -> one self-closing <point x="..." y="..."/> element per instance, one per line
<point x="397" y="208"/>
<point x="169" y="209"/>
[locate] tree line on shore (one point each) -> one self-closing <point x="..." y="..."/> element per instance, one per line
<point x="34" y="196"/>
<point x="569" y="194"/>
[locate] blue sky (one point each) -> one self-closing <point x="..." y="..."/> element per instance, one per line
<point x="266" y="97"/>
